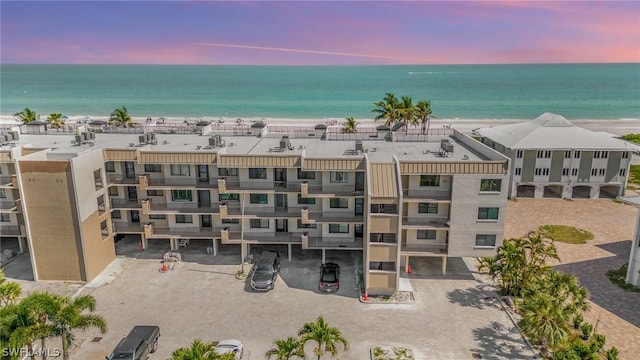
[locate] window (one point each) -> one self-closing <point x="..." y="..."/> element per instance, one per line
<point x="565" y="172"/>
<point x="543" y="154"/>
<point x="152" y="168"/>
<point x="518" y="171"/>
<point x="601" y="172"/>
<point x="305" y="226"/>
<point x="181" y="195"/>
<point x="157" y="217"/>
<point x="576" y="154"/>
<point x="180" y="170"/>
<point x="625" y="155"/>
<point x="258" y="198"/>
<point x="228" y="172"/>
<point x="339" y="177"/>
<point x="113" y="191"/>
<point x="428" y="208"/>
<point x="229" y="197"/>
<point x="594" y="172"/>
<point x="231" y="221"/>
<point x="600" y="154"/>
<point x="542" y="171"/>
<point x="339" y="203"/>
<point x="307" y="201"/>
<point x="574" y="172"/>
<point x="257" y="173"/>
<point x="486" y="240"/>
<point x="110" y="166"/>
<point x="490" y="184"/>
<point x="567" y="154"/>
<point x="155" y="193"/>
<point x="4" y="217"/>
<point x="623" y="172"/>
<point x="426" y="234"/>
<point x="3" y="195"/>
<point x="488" y="213"/>
<point x="519" y="154"/>
<point x="97" y="179"/>
<point x="184" y="219"/>
<point x="259" y="223"/>
<point x="306" y="175"/>
<point x="339" y="228"/>
<point x="429" y="180"/>
<point x="116" y="214"/>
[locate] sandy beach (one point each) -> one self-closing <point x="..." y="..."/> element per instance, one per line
<point x="615" y="127"/>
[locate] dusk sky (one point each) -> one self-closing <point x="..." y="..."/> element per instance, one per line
<point x="319" y="33"/>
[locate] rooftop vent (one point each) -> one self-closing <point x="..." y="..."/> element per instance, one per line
<point x="359" y="145"/>
<point x="216" y="141"/>
<point x="285" y="143"/>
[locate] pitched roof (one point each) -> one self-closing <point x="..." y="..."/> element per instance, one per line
<point x="552" y="131"/>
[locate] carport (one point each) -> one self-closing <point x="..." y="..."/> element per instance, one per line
<point x="553" y="191"/>
<point x="526" y="191"/>
<point x="609" y="191"/>
<point x="581" y="192"/>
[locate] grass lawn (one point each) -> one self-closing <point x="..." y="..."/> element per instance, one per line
<point x="634" y="177"/>
<point x="618" y="277"/>
<point x="566" y="234"/>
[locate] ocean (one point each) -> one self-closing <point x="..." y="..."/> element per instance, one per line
<point x="576" y="91"/>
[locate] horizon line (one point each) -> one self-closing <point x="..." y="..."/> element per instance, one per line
<point x="316" y="65"/>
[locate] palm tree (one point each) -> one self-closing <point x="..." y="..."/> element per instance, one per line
<point x="327" y="338"/>
<point x="388" y="109"/>
<point x="407" y="112"/>
<point x="544" y="322"/>
<point x="120" y="117"/>
<point x="27" y="115"/>
<point x="423" y="113"/>
<point x="55" y="120"/>
<point x="286" y="349"/>
<point x="349" y="126"/>
<point x="199" y="350"/>
<point x="66" y="314"/>
<point x="9" y="291"/>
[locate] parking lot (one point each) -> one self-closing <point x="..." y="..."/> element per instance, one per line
<point x="453" y="316"/>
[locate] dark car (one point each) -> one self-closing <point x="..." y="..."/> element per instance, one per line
<point x="265" y="271"/>
<point x="329" y="277"/>
<point x="138" y="344"/>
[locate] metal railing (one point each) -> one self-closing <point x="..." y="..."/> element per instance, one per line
<point x="427" y="194"/>
<point x="126" y="204"/>
<point x="335" y="216"/>
<point x="121" y="179"/>
<point x="184" y="208"/>
<point x="438" y="249"/>
<point x="8" y="230"/>
<point x="323" y="242"/>
<point x="427" y="222"/>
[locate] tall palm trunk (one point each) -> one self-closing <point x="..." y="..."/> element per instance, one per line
<point x="65" y="345"/>
<point x="44" y="353"/>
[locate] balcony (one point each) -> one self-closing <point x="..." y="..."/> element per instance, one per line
<point x="9" y="206"/>
<point x="424" y="250"/>
<point x="180" y="208"/>
<point x="334" y="217"/>
<point x="170" y="183"/>
<point x="235" y="186"/>
<point x="12" y="230"/>
<point x="320" y="191"/>
<point x="383" y="238"/>
<point x="423" y="222"/>
<point x="123" y="204"/>
<point x="127" y="228"/>
<point x="235" y="237"/>
<point x="186" y="232"/>
<point x="235" y="212"/>
<point x="5" y="182"/>
<point x="120" y="179"/>
<point x="422" y="195"/>
<point x="331" y="243"/>
<point x="102" y="208"/>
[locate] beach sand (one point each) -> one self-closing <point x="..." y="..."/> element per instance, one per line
<point x="615" y="127"/>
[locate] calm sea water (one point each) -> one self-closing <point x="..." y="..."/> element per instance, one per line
<point x="576" y="91"/>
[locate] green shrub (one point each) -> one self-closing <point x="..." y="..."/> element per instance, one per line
<point x="619" y="277"/>
<point x="597" y="342"/>
<point x="587" y="329"/>
<point x="612" y="354"/>
<point x="577" y="321"/>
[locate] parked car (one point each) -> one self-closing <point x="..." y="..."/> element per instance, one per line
<point x="329" y="277"/>
<point x="265" y="271"/>
<point x="138" y="344"/>
<point x="229" y="346"/>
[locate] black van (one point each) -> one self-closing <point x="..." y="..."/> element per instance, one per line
<point x="265" y="271"/>
<point x="138" y="344"/>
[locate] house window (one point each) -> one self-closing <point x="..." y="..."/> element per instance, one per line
<point x="110" y="166"/>
<point x="231" y="221"/>
<point x="428" y="208"/>
<point x="567" y="154"/>
<point x="542" y="171"/>
<point x="257" y="173"/>
<point x="229" y="197"/>
<point x="227" y="172"/>
<point x="574" y="172"/>
<point x="152" y="168"/>
<point x="429" y="180"/>
<point x="339" y="203"/>
<point x="623" y="172"/>
<point x="116" y="214"/>
<point x="180" y="170"/>
<point x="307" y="201"/>
<point x="565" y="172"/>
<point x="576" y="154"/>
<point x="306" y="175"/>
<point x="97" y="179"/>
<point x="518" y="171"/>
<point x="3" y="195"/>
<point x="258" y="198"/>
<point x="338" y="177"/>
<point x="625" y="155"/>
<point x="113" y="191"/>
<point x="155" y="193"/>
<point x="594" y="172"/>
<point x="259" y="223"/>
<point x="339" y="228"/>
<point x="490" y="184"/>
<point x="305" y="226"/>
<point x="519" y="154"/>
<point x="488" y="213"/>
<point x="486" y="240"/>
<point x="601" y="172"/>
<point x="181" y="195"/>
<point x="4" y="217"/>
<point x="426" y="234"/>
<point x="184" y="219"/>
<point x="157" y="217"/>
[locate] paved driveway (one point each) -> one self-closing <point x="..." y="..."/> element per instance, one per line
<point x="452" y="318"/>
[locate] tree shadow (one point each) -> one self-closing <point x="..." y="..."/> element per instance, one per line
<point x="496" y="341"/>
<point x="479" y="297"/>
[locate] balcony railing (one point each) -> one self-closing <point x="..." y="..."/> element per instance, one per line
<point x="11" y="230"/>
<point x="5" y="181"/>
<point x="253" y="212"/>
<point x="309" y="190"/>
<point x="329" y="217"/>
<point x="125" y="204"/>
<point x="191" y="208"/>
<point x="168" y="183"/>
<point x="258" y="184"/>
<point x="422" y="194"/>
<point x="383" y="238"/>
<point x="121" y="179"/>
<point x="265" y="237"/>
<point x="424" y="222"/>
<point x="426" y="249"/>
<point x="127" y="228"/>
<point x="8" y="205"/>
<point x="333" y="243"/>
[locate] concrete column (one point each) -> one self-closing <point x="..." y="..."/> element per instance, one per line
<point x="21" y="244"/>
<point x="289" y="251"/>
<point x="539" y="192"/>
<point x="595" y="191"/>
<point x="243" y="252"/>
<point x="323" y="255"/>
<point x="406" y="264"/>
<point x="444" y="265"/>
<point x="215" y="247"/>
<point x="145" y="241"/>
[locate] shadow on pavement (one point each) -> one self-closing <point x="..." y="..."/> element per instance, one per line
<point x="479" y="297"/>
<point x="431" y="268"/>
<point x="497" y="342"/>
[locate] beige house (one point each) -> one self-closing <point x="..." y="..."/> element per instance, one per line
<point x="391" y="195"/>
